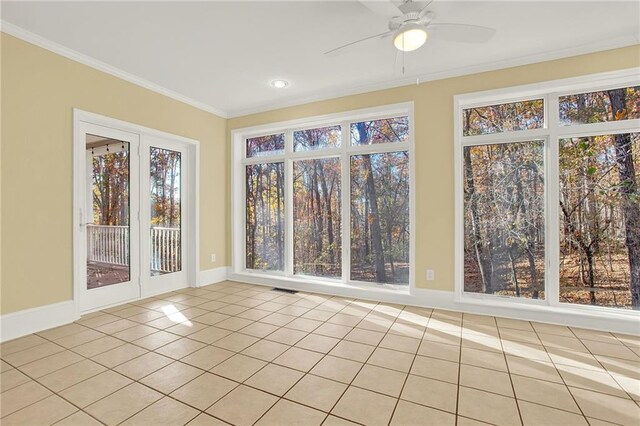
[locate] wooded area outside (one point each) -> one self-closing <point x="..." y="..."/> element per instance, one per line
<point x="598" y="107"/>
<point x="265" y="145"/>
<point x="594" y="266"/>
<point x="380" y="217"/>
<point x="165" y="180"/>
<point x="386" y="130"/>
<point x="317" y="217"/>
<point x="379" y="188"/>
<point x="507" y="117"/>
<point x="110" y="190"/>
<point x="265" y="216"/>
<point x="504" y="219"/>
<point x="111" y="187"/>
<point x="599" y="202"/>
<point x="314" y="139"/>
<point x="109" y="243"/>
<point x="108" y="256"/>
<point x="165" y="172"/>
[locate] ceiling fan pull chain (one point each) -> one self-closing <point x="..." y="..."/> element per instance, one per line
<point x="403" y="52"/>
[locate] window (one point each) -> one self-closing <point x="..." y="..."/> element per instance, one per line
<point x="522" y="115"/>
<point x="504" y="219"/>
<point x="598" y="107"/>
<point x="265" y="216"/>
<point x="329" y="201"/>
<point x="550" y="208"/>
<point x="265" y="145"/>
<point x="380" y="217"/>
<point x="317" y="217"/>
<point x="599" y="218"/>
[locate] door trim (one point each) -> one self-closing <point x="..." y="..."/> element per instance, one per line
<point x="192" y="231"/>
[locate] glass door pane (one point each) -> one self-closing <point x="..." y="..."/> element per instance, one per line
<point x="165" y="221"/>
<point x="108" y="230"/>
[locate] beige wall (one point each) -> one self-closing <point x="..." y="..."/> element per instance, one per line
<point x="39" y="91"/>
<point x="433" y="103"/>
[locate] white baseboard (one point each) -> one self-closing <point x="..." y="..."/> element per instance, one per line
<point x="619" y="322"/>
<point x="212" y="276"/>
<point x="623" y="321"/>
<point x="21" y="323"/>
<point x="160" y="290"/>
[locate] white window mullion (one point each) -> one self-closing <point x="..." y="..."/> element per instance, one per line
<point x="552" y="221"/>
<point x="345" y="171"/>
<point x="597" y="129"/>
<point x="288" y="204"/>
<point x="263" y="159"/>
<point x="316" y="154"/>
<point x="506" y="137"/>
<point x="379" y="148"/>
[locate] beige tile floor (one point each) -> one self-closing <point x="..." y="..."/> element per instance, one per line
<point x="241" y="354"/>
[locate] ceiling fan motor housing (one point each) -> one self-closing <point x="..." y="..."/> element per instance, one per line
<point x="410" y="18"/>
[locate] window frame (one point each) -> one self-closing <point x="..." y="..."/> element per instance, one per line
<point x="344" y="153"/>
<point x="551" y="132"/>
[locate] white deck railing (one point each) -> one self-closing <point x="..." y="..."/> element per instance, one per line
<point x="110" y="244"/>
<point x="166" y="250"/>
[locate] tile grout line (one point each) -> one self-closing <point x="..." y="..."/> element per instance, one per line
<point x="561" y="376"/>
<point x="506" y="362"/>
<point x="363" y="364"/>
<point x="459" y="369"/>
<point x="395" y="407"/>
<point x="320" y="360"/>
<point x="174" y="360"/>
<point x="603" y="368"/>
<point x="179" y="336"/>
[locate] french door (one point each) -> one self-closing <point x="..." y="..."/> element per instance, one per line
<point x="164" y="213"/>
<point x="133" y="212"/>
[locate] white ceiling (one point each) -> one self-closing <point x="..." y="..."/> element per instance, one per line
<point x="224" y="54"/>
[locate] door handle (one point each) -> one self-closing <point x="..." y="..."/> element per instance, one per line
<point x="81" y="218"/>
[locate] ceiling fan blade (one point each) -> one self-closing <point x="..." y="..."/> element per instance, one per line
<point x="424" y="10"/>
<point x="344" y="46"/>
<point x="382" y="7"/>
<point x="461" y="32"/>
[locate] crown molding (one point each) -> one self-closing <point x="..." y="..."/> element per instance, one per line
<point x="54" y="47"/>
<point x="609" y="44"/>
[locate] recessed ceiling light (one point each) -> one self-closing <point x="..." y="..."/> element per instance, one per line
<point x="279" y="84"/>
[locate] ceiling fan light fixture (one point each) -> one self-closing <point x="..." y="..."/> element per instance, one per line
<point x="409" y="37"/>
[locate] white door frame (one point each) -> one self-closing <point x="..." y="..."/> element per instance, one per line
<point x="191" y="233"/>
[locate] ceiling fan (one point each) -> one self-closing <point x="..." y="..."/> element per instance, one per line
<point x="411" y="24"/>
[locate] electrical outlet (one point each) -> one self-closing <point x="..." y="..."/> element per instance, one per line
<point x="213" y="258"/>
<point x="431" y="275"/>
